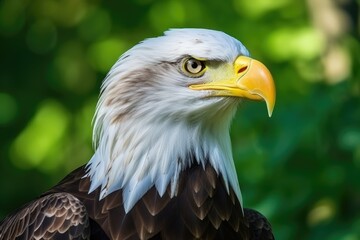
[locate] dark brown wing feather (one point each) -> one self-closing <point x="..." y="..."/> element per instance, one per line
<point x="55" y="216"/>
<point x="260" y="227"/>
<point x="202" y="209"/>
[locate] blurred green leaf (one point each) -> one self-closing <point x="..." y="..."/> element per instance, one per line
<point x="41" y="137"/>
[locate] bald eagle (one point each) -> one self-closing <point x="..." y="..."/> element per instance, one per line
<point x="163" y="167"/>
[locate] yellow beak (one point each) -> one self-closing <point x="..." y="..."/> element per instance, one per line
<point x="250" y="79"/>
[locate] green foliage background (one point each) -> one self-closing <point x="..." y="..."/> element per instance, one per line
<point x="301" y="168"/>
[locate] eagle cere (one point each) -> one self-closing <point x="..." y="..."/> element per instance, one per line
<point x="162" y="167"/>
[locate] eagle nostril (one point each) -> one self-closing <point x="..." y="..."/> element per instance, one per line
<point x="242" y="69"/>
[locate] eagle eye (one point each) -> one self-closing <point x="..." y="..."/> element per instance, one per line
<point x="194" y="67"/>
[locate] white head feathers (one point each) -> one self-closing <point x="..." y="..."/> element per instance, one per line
<point x="148" y="121"/>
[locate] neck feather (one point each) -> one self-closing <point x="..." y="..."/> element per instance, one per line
<point x="135" y="156"/>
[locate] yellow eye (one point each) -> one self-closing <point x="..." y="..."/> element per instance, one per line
<point x="194" y="66"/>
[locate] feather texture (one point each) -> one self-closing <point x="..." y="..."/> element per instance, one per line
<point x="203" y="209"/>
<point x="55" y="216"/>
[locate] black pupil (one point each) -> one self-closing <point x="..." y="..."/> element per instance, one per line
<point x="194" y="64"/>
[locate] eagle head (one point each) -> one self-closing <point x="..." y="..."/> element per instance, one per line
<point x="166" y="104"/>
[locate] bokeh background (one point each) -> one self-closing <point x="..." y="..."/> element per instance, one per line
<point x="301" y="168"/>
